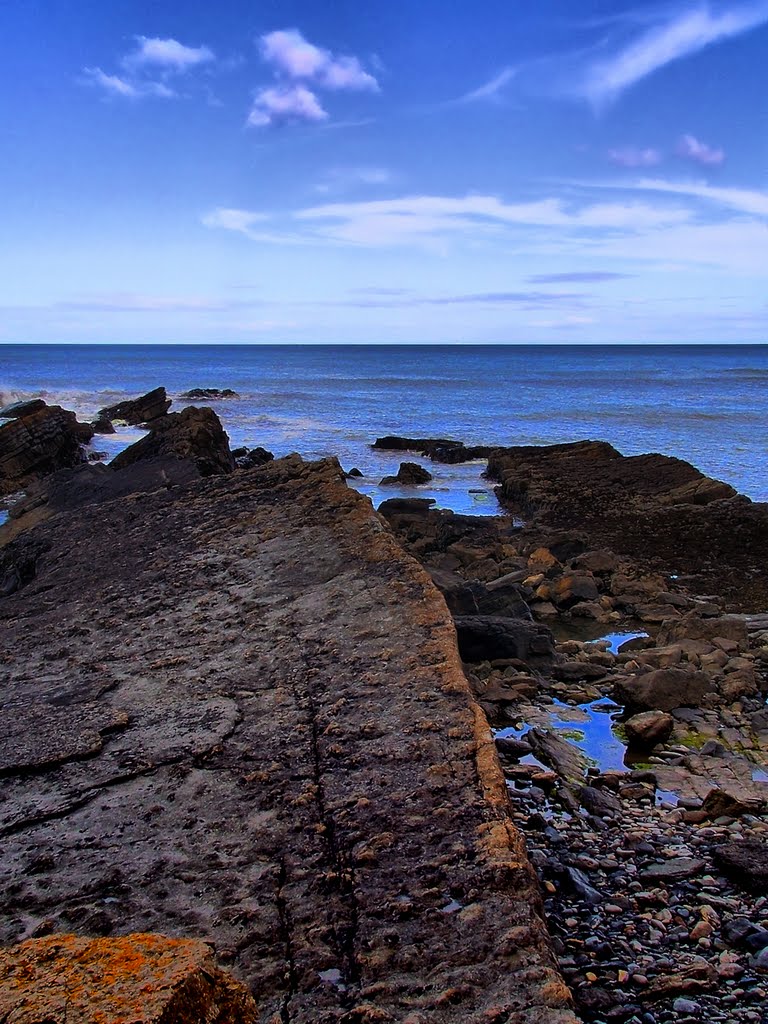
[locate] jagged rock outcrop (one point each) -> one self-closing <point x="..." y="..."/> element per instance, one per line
<point x="656" y="509"/>
<point x="193" y="433"/>
<point x="39" y="440"/>
<point x="142" y="978"/>
<point x="144" y="409"/>
<point x="289" y="761"/>
<point x="208" y="394"/>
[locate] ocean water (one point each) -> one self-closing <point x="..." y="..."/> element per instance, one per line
<point x="706" y="404"/>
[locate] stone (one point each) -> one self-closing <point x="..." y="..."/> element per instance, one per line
<point x="18" y="409"/>
<point x="103" y="425"/>
<point x="195" y="434"/>
<point x="649" y="728"/>
<point x="35" y="444"/>
<point x="559" y="754"/>
<point x="746" y="862"/>
<point x="664" y="689"/>
<point x="600" y="802"/>
<point x="438" y="449"/>
<point x="355" y="473"/>
<point x="139" y="410"/>
<point x="674" y="870"/>
<point x="486" y="637"/>
<point x="142" y="978"/>
<point x="732" y="801"/>
<point x="410" y="474"/>
<point x="209" y="394"/>
<point x="253" y="457"/>
<point x="570" y="589"/>
<point x="601" y="563"/>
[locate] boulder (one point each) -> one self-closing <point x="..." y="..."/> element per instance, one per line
<point x="195" y="434"/>
<point x="252" y="457"/>
<point x="142" y="978"/>
<point x="732" y="801"/>
<point x="663" y="689"/>
<point x="37" y="443"/>
<point x="139" y="410"/>
<point x="571" y="589"/>
<point x="439" y="449"/>
<point x="746" y="862"/>
<point x="471" y="597"/>
<point x="649" y="728"/>
<point x="693" y="627"/>
<point x="102" y="425"/>
<point x="209" y="394"/>
<point x="410" y="474"/>
<point x="486" y="637"/>
<point x="602" y="562"/>
<point x="562" y="757"/>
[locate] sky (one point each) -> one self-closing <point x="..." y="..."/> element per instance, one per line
<point x="494" y="171"/>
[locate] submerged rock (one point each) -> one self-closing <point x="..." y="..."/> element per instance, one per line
<point x="410" y="474"/>
<point x="438" y="449"/>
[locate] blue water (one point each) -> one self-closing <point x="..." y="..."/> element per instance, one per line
<point x="706" y="404"/>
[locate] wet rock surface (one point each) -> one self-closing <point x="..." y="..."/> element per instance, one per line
<point x="410" y="474"/>
<point x="134" y="411"/>
<point x="145" y="979"/>
<point x="37" y="441"/>
<point x="246" y="722"/>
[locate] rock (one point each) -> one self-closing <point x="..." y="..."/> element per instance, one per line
<point x="682" y="1005"/>
<point x="103" y="425"/>
<point x="699" y="977"/>
<point x="559" y="754"/>
<point x="730" y="800"/>
<point x="193" y="433"/>
<point x="437" y="449"/>
<point x="600" y="802"/>
<point x="355" y="473"/>
<point x="485" y="637"/>
<point x="649" y="728"/>
<point x="142" y="978"/>
<point x="509" y="746"/>
<point x="38" y="443"/>
<point x="253" y="457"/>
<point x="410" y="474"/>
<point x="693" y="627"/>
<point x="570" y="589"/>
<point x="472" y="597"/>
<point x="209" y="393"/>
<point x="18" y="409"/>
<point x="664" y="689"/>
<point x="601" y="563"/>
<point x="139" y="410"/>
<point x="674" y="870"/>
<point x="578" y="882"/>
<point x="746" y="862"/>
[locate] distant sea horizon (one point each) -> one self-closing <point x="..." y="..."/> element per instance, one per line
<point x="705" y="403"/>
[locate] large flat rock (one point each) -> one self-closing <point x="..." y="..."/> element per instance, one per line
<point x="246" y="722"/>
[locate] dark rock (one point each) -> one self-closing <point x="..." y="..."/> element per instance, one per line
<point x="602" y="563"/>
<point x="410" y="474"/>
<point x="485" y="637"/>
<point x="746" y="862"/>
<point x="102" y="425"/>
<point x="354" y="472"/>
<point x="193" y="433"/>
<point x="649" y="728"/>
<point x="475" y="598"/>
<point x="674" y="870"/>
<point x="737" y="930"/>
<point x="252" y="457"/>
<point x="599" y="802"/>
<point x="209" y="393"/>
<point x="139" y="410"/>
<point x="572" y="588"/>
<point x="577" y="881"/>
<point x="18" y="563"/>
<point x="664" y="689"/>
<point x="393" y="507"/>
<point x="509" y="746"/>
<point x="561" y="756"/>
<point x="437" y="449"/>
<point x="17" y="409"/>
<point x="38" y="443"/>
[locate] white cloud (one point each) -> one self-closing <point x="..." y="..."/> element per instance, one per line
<point x="748" y="201"/>
<point x="294" y="56"/>
<point x="491" y="89"/>
<point x="631" y="156"/>
<point x="281" y="103"/>
<point x="113" y="85"/>
<point x="691" y="148"/>
<point x="681" y="35"/>
<point x="340" y="178"/>
<point x="168" y="54"/>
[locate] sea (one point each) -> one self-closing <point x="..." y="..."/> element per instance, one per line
<point x="706" y="404"/>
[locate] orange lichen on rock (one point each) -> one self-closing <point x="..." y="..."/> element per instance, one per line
<point x="134" y="979"/>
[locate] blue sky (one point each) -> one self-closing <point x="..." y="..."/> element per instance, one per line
<point x="384" y="172"/>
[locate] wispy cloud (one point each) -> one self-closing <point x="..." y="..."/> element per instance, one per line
<point x="168" y="54"/>
<point x="691" y="148"/>
<point x="340" y="178"/>
<point x="631" y="156"/>
<point x="684" y="32"/>
<point x="114" y="85"/>
<point x="577" y="277"/>
<point x="280" y="104"/>
<point x="492" y="88"/>
<point x="525" y="299"/>
<point x="292" y="55"/>
<point x="747" y="201"/>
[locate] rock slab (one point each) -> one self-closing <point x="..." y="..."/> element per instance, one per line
<point x="141" y="978"/>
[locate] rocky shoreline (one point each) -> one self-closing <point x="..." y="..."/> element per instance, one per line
<point x="295" y="627"/>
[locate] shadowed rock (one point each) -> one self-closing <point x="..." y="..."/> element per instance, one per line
<point x="437" y="449"/>
<point x="38" y="442"/>
<point x="664" y="689"/>
<point x="195" y="434"/>
<point x="410" y="474"/>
